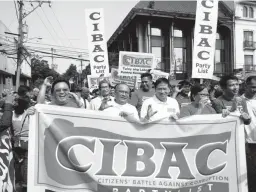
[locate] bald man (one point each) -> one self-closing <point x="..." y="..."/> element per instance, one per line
<point x="120" y="105"/>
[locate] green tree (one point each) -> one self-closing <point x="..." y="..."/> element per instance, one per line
<point x="71" y="72"/>
<point x="40" y="70"/>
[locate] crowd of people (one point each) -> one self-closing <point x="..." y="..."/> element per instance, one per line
<point x="153" y="101"/>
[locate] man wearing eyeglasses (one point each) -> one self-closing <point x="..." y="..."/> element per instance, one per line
<point x="61" y="94"/>
<point x="120" y="106"/>
<point x="104" y="100"/>
<point x="200" y="103"/>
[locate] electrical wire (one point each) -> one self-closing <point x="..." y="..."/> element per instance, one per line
<point x="57" y="46"/>
<point x="16" y="9"/>
<point x="58" y="55"/>
<point x="61" y="27"/>
<point x="51" y="25"/>
<point x="44" y="24"/>
<point x="64" y="52"/>
<point x="60" y="50"/>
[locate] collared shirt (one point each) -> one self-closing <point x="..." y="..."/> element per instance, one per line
<point x="116" y="108"/>
<point x="250" y="130"/>
<point x="164" y="109"/>
<point x="96" y="102"/>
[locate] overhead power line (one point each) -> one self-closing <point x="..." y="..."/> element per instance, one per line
<point x="56" y="46"/>
<point x="61" y="27"/>
<point x="16" y="9"/>
<point x="51" y="25"/>
<point x="64" y="56"/>
<point x="60" y="51"/>
<point x="45" y="26"/>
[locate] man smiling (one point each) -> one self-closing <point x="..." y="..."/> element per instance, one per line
<point x="61" y="94"/>
<point x="160" y="106"/>
<point x="120" y="106"/>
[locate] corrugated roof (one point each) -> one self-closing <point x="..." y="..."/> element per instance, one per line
<point x="188" y="7"/>
<point x="173" y="7"/>
<point x="170" y="6"/>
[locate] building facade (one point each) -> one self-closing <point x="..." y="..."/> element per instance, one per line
<point x="245" y="35"/>
<point x="8" y="65"/>
<point x="165" y="28"/>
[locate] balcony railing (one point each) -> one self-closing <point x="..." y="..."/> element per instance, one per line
<point x="249" y="45"/>
<point x="249" y="68"/>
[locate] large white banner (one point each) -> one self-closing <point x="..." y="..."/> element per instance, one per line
<point x="97" y="44"/>
<point x="205" y="38"/>
<point x="83" y="151"/>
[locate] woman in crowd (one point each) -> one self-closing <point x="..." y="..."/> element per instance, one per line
<point x="200" y="102"/>
<point x="20" y="124"/>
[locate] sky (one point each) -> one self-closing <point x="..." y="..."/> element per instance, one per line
<point x="63" y="25"/>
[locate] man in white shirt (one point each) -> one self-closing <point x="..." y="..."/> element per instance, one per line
<point x="250" y="130"/>
<point x="120" y="106"/>
<point x="104" y="100"/>
<point x="250" y="98"/>
<point x="160" y="106"/>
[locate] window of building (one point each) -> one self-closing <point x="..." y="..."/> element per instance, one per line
<point x="179" y="48"/>
<point x="248" y="60"/>
<point x="156" y="32"/>
<point x="156" y="46"/>
<point x="245" y="11"/>
<point x="251" y="12"/>
<point x="248" y="63"/>
<point x="248" y="38"/>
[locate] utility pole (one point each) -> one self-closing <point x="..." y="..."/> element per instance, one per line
<point x="81" y="64"/>
<point x="52" y="56"/>
<point x="20" y="44"/>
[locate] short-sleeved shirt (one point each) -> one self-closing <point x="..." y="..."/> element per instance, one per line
<point x="191" y="109"/>
<point x="96" y="102"/>
<point x="117" y="108"/>
<point x="139" y="96"/>
<point x="164" y="109"/>
<point x="250" y="129"/>
<point x="222" y="103"/>
<point x="70" y="103"/>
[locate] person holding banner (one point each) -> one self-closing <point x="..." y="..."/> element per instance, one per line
<point x="230" y="101"/>
<point x="146" y="91"/>
<point x="200" y="102"/>
<point x="120" y="106"/>
<point x="61" y="95"/>
<point x="104" y="100"/>
<point x="250" y="130"/>
<point x="160" y="106"/>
